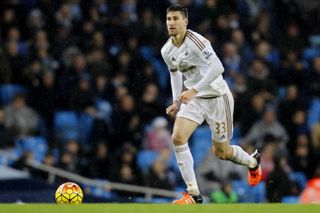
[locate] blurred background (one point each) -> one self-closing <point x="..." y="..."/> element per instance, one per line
<point x="83" y="92"/>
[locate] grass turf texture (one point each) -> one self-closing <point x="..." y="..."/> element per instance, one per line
<point x="161" y="208"/>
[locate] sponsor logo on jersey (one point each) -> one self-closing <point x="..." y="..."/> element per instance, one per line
<point x="207" y="54"/>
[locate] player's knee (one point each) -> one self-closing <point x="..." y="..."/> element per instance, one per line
<point x="178" y="139"/>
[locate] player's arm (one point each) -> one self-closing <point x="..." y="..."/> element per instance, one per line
<point x="176" y="87"/>
<point x="215" y="67"/>
<point x="176" y="84"/>
<point x="205" y="53"/>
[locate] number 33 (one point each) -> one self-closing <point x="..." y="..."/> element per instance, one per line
<point x="220" y="128"/>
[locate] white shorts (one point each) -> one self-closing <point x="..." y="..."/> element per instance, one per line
<point x="217" y="112"/>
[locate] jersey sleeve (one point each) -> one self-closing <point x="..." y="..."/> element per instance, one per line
<point x="175" y="77"/>
<point x="167" y="61"/>
<point x="203" y="49"/>
<point x="207" y="56"/>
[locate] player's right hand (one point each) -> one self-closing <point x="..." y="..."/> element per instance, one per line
<point x="172" y="110"/>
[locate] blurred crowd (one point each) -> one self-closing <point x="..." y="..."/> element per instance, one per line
<point x="101" y="59"/>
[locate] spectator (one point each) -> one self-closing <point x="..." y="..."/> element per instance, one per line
<point x="5" y="69"/>
<point x="244" y="49"/>
<point x="278" y="183"/>
<point x="16" y="61"/>
<point x="20" y="118"/>
<point x="250" y="113"/>
<point x="232" y="60"/>
<point x="49" y="160"/>
<point x="7" y="139"/>
<point x="268" y="154"/>
<point x="268" y="125"/>
<point x="101" y="164"/>
<point x="311" y="193"/>
<point x="150" y="105"/>
<point x="82" y="97"/>
<point x="303" y="160"/>
<point x="225" y="195"/>
<point x="158" y="137"/>
<point x="298" y="127"/>
<point x="213" y="172"/>
<point x="314" y="79"/>
<point x="292" y="71"/>
<point x="293" y="38"/>
<point x="315" y="136"/>
<point x="127" y="122"/>
<point x="43" y="98"/>
<point x="259" y="80"/>
<point x="288" y="105"/>
<point x="157" y="176"/>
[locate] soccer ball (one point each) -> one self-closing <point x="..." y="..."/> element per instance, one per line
<point x="69" y="193"/>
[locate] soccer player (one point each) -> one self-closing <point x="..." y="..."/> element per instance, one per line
<point x="207" y="97"/>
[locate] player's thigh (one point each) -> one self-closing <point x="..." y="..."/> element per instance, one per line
<point x="220" y="118"/>
<point x="183" y="129"/>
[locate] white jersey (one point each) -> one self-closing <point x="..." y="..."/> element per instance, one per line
<point x="195" y="58"/>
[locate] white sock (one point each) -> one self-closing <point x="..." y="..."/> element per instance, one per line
<point x="241" y="157"/>
<point x="185" y="164"/>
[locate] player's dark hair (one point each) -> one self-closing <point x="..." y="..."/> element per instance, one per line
<point x="179" y="8"/>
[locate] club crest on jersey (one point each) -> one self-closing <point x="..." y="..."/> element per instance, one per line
<point x="183" y="66"/>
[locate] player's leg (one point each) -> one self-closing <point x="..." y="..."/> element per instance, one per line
<point x="187" y="120"/>
<point x="221" y="124"/>
<point x="236" y="154"/>
<point x="182" y="130"/>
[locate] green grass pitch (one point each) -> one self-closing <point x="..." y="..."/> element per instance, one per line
<point x="161" y="208"/>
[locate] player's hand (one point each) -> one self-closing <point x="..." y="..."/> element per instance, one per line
<point x="173" y="109"/>
<point x="186" y="96"/>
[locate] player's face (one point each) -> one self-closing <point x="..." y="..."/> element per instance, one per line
<point x="176" y="23"/>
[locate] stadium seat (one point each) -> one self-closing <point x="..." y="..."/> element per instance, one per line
<point x="274" y="58"/>
<point x="310" y="53"/>
<point x="249" y="194"/>
<point x="99" y="191"/>
<point x="66" y="125"/>
<point x="13" y="152"/>
<point x="8" y="91"/>
<point x="2" y="160"/>
<point x="259" y="192"/>
<point x="159" y="66"/>
<point x="147" y="52"/>
<point x="235" y="140"/>
<point x="242" y="190"/>
<point x="300" y="178"/>
<point x="145" y="159"/>
<point x="85" y="127"/>
<point x="290" y="199"/>
<point x="314" y="113"/>
<point x="36" y="145"/>
<point x="281" y="93"/>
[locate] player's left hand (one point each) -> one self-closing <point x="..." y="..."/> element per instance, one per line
<point x="186" y="96"/>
